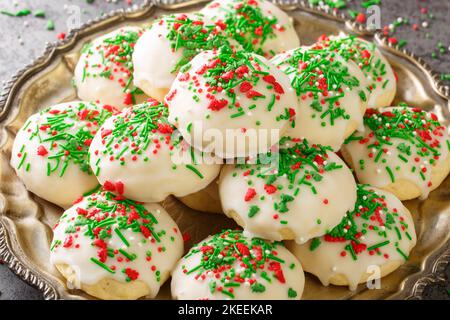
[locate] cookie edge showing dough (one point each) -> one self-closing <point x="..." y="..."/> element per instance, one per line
<point x="107" y="288"/>
<point x="203" y="201"/>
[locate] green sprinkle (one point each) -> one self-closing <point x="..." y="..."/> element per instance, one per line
<point x="39" y="13"/>
<point x="402" y="43"/>
<point x="24" y="156"/>
<point x="391" y="175"/>
<point x="402" y="253"/>
<point x="253" y="211"/>
<point x="271" y="103"/>
<point x="50" y="25"/>
<point x="258" y="287"/>
<point x="403" y="158"/>
<point x="131" y="257"/>
<point x="20" y="13"/>
<point x="378" y="245"/>
<point x="292" y="293"/>
<point x="193" y="169"/>
<point x="236" y="115"/>
<point x="120" y="235"/>
<point x="101" y="264"/>
<point x="227" y="293"/>
<point x="399" y="235"/>
<point x="315" y="243"/>
<point x="212" y="286"/>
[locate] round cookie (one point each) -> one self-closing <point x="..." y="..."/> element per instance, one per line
<point x="170" y="43"/>
<point x="378" y="232"/>
<point x="234" y="104"/>
<point x="382" y="85"/>
<point x="300" y="193"/>
<point x="229" y="266"/>
<point x="115" y="248"/>
<point x="50" y="151"/>
<point x="330" y="92"/>
<point x="206" y="200"/>
<point x="258" y="25"/>
<point x="138" y="155"/>
<point x="402" y="150"/>
<point x="104" y="71"/>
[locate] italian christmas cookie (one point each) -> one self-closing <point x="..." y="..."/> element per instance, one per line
<point x="206" y="200"/>
<point x="402" y="150"/>
<point x="136" y="154"/>
<point x="258" y="25"/>
<point x="170" y="43"/>
<point x="298" y="192"/>
<point x="229" y="266"/>
<point x="115" y="248"/>
<point x="50" y="151"/>
<point x="372" y="240"/>
<point x="104" y="71"/>
<point x="231" y="103"/>
<point x="381" y="83"/>
<point x="330" y="91"/>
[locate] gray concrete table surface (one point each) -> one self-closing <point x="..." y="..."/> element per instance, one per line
<point x="422" y="24"/>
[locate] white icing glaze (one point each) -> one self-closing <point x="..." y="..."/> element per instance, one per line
<point x="283" y="37"/>
<point x="156" y="172"/>
<point x="200" y="123"/>
<point x="309" y="214"/>
<point x="314" y="125"/>
<point x="374" y="171"/>
<point x="70" y="178"/>
<point x="326" y="261"/>
<point x="152" y="72"/>
<point x="381" y="82"/>
<point x="76" y="249"/>
<point x="187" y="286"/>
<point x="97" y="78"/>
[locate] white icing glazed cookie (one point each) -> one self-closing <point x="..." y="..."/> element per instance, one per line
<point x="381" y="82"/>
<point x="206" y="200"/>
<point x="331" y="95"/>
<point x="229" y="266"/>
<point x="50" y="152"/>
<point x="402" y="150"/>
<point x="378" y="232"/>
<point x="170" y="43"/>
<point x="136" y="154"/>
<point x="298" y="194"/>
<point x="258" y="25"/>
<point x="104" y="71"/>
<point x="115" y="248"/>
<point x="234" y="104"/>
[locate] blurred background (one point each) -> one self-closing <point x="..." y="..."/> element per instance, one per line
<point x="421" y="26"/>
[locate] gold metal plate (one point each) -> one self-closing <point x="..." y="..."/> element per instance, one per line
<point x="26" y="220"/>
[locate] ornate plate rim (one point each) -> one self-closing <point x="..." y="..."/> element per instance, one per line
<point x="411" y="287"/>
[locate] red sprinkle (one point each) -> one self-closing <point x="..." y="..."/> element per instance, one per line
<point x="270" y="188"/>
<point x="251" y="193"/>
<point x="132" y="274"/>
<point x="217" y="105"/>
<point x="41" y="151"/>
<point x="361" y="18"/>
